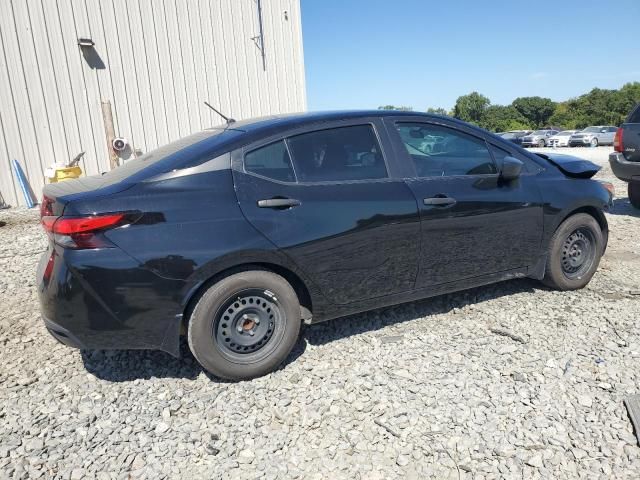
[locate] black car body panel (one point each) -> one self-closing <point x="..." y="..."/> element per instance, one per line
<point x="347" y="246"/>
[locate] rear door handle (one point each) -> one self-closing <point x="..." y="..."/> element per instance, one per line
<point x="278" y="203"/>
<point x="440" y="201"/>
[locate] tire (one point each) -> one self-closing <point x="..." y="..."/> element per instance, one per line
<point x="594" y="142"/>
<point x="574" y="253"/>
<point x="633" y="190"/>
<point x="541" y="143"/>
<point x="245" y="325"/>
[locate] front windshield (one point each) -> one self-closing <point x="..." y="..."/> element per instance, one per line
<point x="539" y="132"/>
<point x="592" y="129"/>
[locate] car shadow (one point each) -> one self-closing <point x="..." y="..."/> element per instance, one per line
<point x="129" y="365"/>
<point x="622" y="206"/>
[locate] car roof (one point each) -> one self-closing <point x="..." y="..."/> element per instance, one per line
<point x="274" y="123"/>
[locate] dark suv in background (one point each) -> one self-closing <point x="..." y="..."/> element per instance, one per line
<point x="625" y="160"/>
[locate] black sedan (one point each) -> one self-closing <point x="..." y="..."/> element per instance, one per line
<point x="236" y="235"/>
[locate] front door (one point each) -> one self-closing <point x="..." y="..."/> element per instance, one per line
<point x="473" y="223"/>
<point x="327" y="198"/>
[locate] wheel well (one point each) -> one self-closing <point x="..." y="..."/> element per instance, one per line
<point x="595" y="213"/>
<point x="304" y="297"/>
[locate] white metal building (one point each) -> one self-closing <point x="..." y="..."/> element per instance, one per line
<point x="155" y="61"/>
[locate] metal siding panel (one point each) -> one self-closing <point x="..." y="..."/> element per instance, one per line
<point x="68" y="118"/>
<point x="299" y="46"/>
<point x="138" y="125"/>
<point x="177" y="67"/>
<point x="92" y="87"/>
<point x="12" y="138"/>
<point x="222" y="63"/>
<point x="50" y="100"/>
<point x="200" y="92"/>
<point x="35" y="104"/>
<point x="142" y="74"/>
<point x="209" y="58"/>
<point x="235" y="99"/>
<point x="273" y="50"/>
<point x="8" y="189"/>
<point x="165" y="67"/>
<point x="85" y="118"/>
<point x="155" y="78"/>
<point x="119" y="95"/>
<point x="186" y="48"/>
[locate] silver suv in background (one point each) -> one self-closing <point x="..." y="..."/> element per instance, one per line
<point x="593" y="136"/>
<point x="538" y="138"/>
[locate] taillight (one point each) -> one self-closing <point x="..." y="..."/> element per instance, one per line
<point x="618" y="145"/>
<point x="83" y="232"/>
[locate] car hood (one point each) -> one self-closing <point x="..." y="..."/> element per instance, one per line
<point x="572" y="166"/>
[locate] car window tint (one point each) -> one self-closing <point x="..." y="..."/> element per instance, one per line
<point x="271" y="161"/>
<point x="529" y="166"/>
<point x="338" y="154"/>
<point x="439" y="151"/>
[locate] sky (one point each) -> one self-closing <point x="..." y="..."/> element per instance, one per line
<point x="426" y="53"/>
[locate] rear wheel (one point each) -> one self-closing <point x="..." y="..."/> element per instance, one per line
<point x="245" y="325"/>
<point x="634" y="193"/>
<point x="574" y="253"/>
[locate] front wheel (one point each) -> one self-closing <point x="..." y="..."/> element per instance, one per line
<point x="594" y="142"/>
<point x="541" y="143"/>
<point x="245" y="325"/>
<point x="633" y="190"/>
<point x="574" y="253"/>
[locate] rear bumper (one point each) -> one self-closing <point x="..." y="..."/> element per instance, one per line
<point x="103" y="299"/>
<point x="624" y="169"/>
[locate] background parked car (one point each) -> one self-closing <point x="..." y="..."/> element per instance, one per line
<point x="561" y="139"/>
<point x="625" y="160"/>
<point x="593" y="136"/>
<point x="538" y="138"/>
<point x="514" y="136"/>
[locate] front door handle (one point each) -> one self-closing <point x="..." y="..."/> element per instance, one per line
<point x="278" y="203"/>
<point x="440" y="201"/>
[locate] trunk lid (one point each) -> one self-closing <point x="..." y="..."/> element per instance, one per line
<point x="572" y="166"/>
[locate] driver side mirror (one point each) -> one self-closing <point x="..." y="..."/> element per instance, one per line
<point x="511" y="168"/>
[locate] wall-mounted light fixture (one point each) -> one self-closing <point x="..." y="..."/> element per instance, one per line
<point x="86" y="42"/>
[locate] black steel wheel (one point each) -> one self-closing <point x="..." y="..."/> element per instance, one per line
<point x="578" y="253"/>
<point x="574" y="253"/>
<point x="245" y="325"/>
<point x="247" y="322"/>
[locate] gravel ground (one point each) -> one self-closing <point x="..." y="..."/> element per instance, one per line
<point x="421" y="390"/>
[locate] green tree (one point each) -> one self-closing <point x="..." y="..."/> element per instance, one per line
<point x="536" y="110"/>
<point x="471" y="107"/>
<point x="394" y="107"/>
<point x="501" y="118"/>
<point x="437" y="111"/>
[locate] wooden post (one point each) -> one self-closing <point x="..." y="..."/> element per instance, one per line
<point x="107" y="118"/>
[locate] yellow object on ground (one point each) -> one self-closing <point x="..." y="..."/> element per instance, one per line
<point x="66" y="173"/>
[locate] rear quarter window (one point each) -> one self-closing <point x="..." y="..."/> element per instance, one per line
<point x="271" y="161"/>
<point x="634" y="117"/>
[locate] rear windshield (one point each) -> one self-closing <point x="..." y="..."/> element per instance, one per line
<point x="635" y="115"/>
<point x="153" y="157"/>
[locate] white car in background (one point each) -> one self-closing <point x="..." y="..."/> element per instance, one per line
<point x="561" y="139"/>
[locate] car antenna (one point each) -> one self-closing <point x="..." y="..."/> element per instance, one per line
<point x="226" y="119"/>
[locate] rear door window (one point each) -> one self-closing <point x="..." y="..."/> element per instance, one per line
<point x="338" y="154"/>
<point x="439" y="151"/>
<point x="270" y="161"/>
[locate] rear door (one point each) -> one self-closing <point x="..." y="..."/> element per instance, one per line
<point x="329" y="196"/>
<point x="473" y="223"/>
<point x="631" y="136"/>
